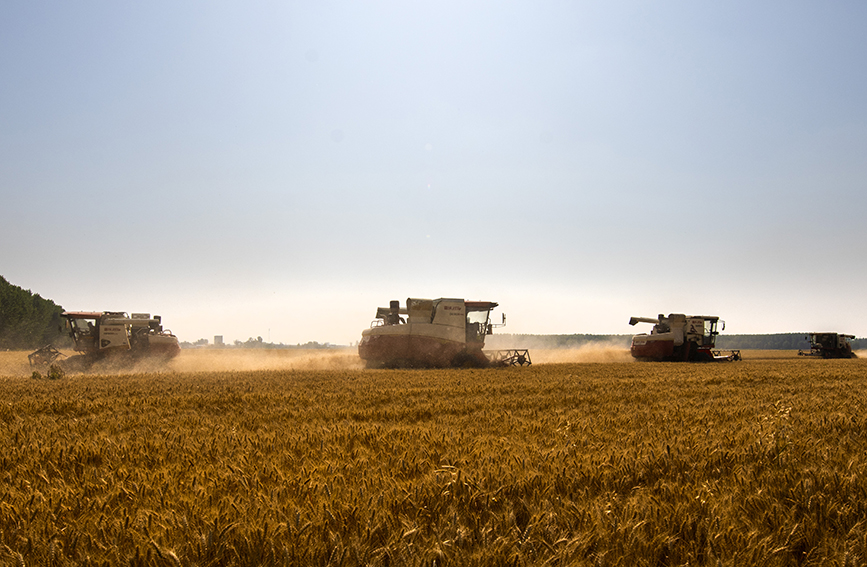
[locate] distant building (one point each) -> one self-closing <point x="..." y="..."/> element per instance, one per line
<point x="218" y="340"/>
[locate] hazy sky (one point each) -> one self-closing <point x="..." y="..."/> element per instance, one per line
<point x="281" y="169"/>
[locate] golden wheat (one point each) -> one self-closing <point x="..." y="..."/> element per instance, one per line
<point x="754" y="463"/>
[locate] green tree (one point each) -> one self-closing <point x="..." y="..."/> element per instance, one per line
<point x="27" y="321"/>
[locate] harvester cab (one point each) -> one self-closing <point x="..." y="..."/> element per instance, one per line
<point x="90" y="333"/>
<point x="830" y="345"/>
<point x="479" y="324"/>
<point x="679" y="337"/>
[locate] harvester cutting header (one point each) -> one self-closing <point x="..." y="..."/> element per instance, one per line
<point x="679" y="337"/>
<point x="434" y="333"/>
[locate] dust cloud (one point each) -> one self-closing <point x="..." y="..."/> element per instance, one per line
<point x="224" y="360"/>
<point x="554" y="349"/>
<point x="590" y="352"/>
<point x="15" y="363"/>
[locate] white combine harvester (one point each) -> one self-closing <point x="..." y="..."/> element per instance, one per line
<point x="110" y="336"/>
<point x="830" y="345"/>
<point x="679" y="337"/>
<point x="434" y="333"/>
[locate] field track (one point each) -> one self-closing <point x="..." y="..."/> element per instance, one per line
<point x="312" y="461"/>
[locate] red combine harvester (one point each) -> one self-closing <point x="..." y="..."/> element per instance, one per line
<point x="110" y="336"/>
<point x="434" y="333"/>
<point x="679" y="338"/>
<point x="829" y="345"/>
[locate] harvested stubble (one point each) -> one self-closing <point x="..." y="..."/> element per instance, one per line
<point x="756" y="463"/>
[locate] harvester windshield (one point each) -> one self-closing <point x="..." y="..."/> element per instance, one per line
<point x="710" y="332"/>
<point x="478" y="320"/>
<point x="477" y="325"/>
<point x="83" y="326"/>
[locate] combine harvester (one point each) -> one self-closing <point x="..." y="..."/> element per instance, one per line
<point x="829" y="345"/>
<point x="434" y="333"/>
<point x="680" y="338"/>
<point x="110" y="336"/>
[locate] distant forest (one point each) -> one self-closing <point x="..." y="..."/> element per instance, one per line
<point x="779" y="341"/>
<point x="27" y="321"/>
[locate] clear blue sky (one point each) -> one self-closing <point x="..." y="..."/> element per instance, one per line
<point x="280" y="169"/>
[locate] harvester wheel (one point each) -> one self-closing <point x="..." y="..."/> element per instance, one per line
<point x="466" y="360"/>
<point x="703" y="356"/>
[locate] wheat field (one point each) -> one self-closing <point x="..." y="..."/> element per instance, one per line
<point x="306" y="459"/>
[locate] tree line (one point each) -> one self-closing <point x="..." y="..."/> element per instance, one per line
<point x="27" y="321"/>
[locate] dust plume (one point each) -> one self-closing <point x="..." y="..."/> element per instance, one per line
<point x="223" y="360"/>
<point x="15" y="363"/>
<point x="590" y="352"/>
